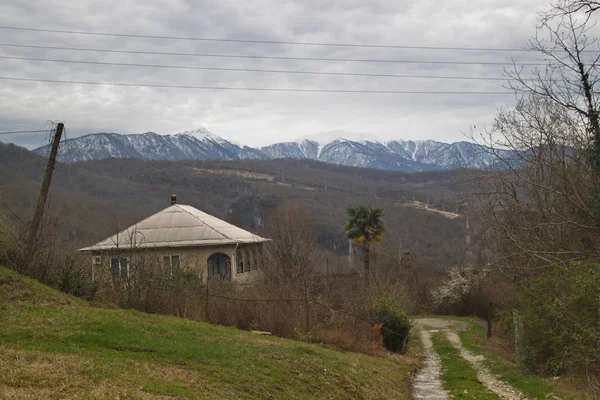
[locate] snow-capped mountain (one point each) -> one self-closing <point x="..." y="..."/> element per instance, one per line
<point x="190" y="145"/>
<point x="398" y="155"/>
<point x="335" y="148"/>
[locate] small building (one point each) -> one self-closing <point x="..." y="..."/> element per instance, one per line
<point x="181" y="235"/>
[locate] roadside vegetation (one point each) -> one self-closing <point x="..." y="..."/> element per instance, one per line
<point x="53" y="345"/>
<point x="500" y="362"/>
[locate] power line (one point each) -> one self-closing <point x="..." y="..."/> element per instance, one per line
<point x="10" y="210"/>
<point x="256" y="89"/>
<point x="11" y="132"/>
<point x="256" y="70"/>
<point x="287" y="42"/>
<point x="252" y="56"/>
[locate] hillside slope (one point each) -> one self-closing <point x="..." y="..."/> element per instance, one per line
<point x="90" y="200"/>
<point x="55" y="346"/>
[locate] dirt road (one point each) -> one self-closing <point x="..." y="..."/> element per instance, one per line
<point x="428" y="383"/>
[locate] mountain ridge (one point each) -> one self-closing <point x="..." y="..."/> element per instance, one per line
<point x="201" y="144"/>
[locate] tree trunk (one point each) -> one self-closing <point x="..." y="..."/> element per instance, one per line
<point x="592" y="115"/>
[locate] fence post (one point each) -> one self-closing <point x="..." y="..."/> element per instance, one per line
<point x="518" y="326"/>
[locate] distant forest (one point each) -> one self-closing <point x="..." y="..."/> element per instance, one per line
<point x="92" y="200"/>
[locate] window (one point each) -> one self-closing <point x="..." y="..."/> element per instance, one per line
<point x="171" y="262"/>
<point x="248" y="265"/>
<point x="175" y="262"/>
<point x="119" y="267"/>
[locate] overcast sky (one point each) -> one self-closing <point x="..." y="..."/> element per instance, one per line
<point x="259" y="117"/>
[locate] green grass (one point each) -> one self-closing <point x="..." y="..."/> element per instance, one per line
<point x="460" y="379"/>
<point x="499" y="361"/>
<point x="475" y="340"/>
<point x="55" y="346"/>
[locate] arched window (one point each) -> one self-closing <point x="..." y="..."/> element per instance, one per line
<point x="219" y="266"/>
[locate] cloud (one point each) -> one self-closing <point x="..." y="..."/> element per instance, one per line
<point x="258" y="118"/>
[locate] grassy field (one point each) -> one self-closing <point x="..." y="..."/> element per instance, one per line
<point x="54" y="346"/>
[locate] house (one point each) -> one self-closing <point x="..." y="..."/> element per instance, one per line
<point x="181" y="235"/>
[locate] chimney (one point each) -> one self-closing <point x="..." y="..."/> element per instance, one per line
<point x="173" y="199"/>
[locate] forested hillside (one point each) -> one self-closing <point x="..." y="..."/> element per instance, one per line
<point x="91" y="200"/>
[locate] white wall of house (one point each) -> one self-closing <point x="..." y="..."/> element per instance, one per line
<point x="245" y="258"/>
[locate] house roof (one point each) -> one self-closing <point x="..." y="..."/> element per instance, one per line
<point x="177" y="226"/>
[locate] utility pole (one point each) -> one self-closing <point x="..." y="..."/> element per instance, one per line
<point x="41" y="205"/>
<point x="468" y="239"/>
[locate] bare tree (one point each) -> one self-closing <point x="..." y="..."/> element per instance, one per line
<point x="543" y="209"/>
<point x="292" y="254"/>
<point x="563" y="7"/>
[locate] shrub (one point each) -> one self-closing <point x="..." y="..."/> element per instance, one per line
<point x="462" y="293"/>
<point x="395" y="325"/>
<point x="73" y="277"/>
<point x="561" y="324"/>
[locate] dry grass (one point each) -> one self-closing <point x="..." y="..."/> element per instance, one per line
<point x="53" y="346"/>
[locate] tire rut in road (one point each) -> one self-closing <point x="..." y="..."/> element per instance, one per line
<point x="484" y="375"/>
<point x="427" y="383"/>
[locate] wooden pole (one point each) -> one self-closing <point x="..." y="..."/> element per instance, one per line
<point x="41" y="205"/>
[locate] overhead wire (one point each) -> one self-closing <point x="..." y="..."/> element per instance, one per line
<point x="15" y="132"/>
<point x="264" y="41"/>
<point x="259" y="89"/>
<point x="10" y="210"/>
<point x="255" y="56"/>
<point x="192" y="67"/>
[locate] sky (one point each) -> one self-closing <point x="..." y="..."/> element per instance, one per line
<point x="258" y="118"/>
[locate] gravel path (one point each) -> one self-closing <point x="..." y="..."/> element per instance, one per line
<point x="427" y="383"/>
<point x="485" y="376"/>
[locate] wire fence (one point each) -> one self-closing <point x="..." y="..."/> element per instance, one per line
<point x="306" y="301"/>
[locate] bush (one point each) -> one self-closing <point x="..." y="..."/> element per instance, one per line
<point x="73" y="276"/>
<point x="561" y="324"/>
<point x="395" y="325"/>
<point x="462" y="293"/>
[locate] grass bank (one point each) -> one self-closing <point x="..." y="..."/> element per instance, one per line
<point x="56" y="346"/>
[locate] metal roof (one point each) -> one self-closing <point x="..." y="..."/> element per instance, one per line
<point x="177" y="226"/>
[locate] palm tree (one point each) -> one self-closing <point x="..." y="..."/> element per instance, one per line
<point x="365" y="227"/>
